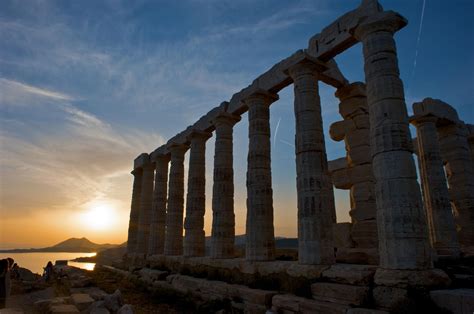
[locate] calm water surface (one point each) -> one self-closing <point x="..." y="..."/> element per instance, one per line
<point x="36" y="261"/>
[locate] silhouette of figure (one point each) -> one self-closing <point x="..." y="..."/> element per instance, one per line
<point x="48" y="271"/>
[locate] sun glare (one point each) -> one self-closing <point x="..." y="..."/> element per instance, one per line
<point x="99" y="217"/>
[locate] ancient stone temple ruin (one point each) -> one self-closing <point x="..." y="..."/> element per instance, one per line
<point x="399" y="230"/>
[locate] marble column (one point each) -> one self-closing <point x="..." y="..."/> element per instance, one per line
<point x="223" y="218"/>
<point x="174" y="212"/>
<point x="316" y="210"/>
<point x="401" y="220"/>
<point x="134" y="212"/>
<point x="146" y="201"/>
<point x="194" y="237"/>
<point x="441" y="224"/>
<point x="260" y="236"/>
<point x="456" y="154"/>
<point x="158" y="217"/>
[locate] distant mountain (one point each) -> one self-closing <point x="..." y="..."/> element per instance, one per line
<point x="71" y="245"/>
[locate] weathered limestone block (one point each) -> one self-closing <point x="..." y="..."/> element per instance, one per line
<point x="223" y="218"/>
<point x="158" y="217"/>
<point x="146" y="201"/>
<point x="260" y="237"/>
<point x="342" y="235"/>
<point x="435" y="108"/>
<point x="402" y="245"/>
<point x="340" y="293"/>
<point x="364" y="233"/>
<point x="151" y="275"/>
<point x="357" y="255"/>
<point x="361" y="275"/>
<point x="134" y="212"/>
<point x="174" y="212"/>
<point x="339" y="129"/>
<point x="441" y="224"/>
<point x="81" y="300"/>
<point x="456" y="300"/>
<point x="316" y="209"/>
<point x="412" y="278"/>
<point x="287" y="303"/>
<point x="456" y="153"/>
<point x="194" y="238"/>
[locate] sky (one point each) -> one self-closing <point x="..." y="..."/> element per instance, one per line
<point x="86" y="86"/>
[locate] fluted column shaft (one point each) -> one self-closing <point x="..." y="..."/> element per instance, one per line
<point x="460" y="173"/>
<point x="401" y="221"/>
<point x="436" y="196"/>
<point x="260" y="236"/>
<point x="175" y="208"/>
<point x="223" y="218"/>
<point x="134" y="212"/>
<point x="146" y="201"/>
<point x="158" y="217"/>
<point x="194" y="237"/>
<point x="316" y="210"/>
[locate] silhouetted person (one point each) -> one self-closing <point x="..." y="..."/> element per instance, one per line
<point x="48" y="271"/>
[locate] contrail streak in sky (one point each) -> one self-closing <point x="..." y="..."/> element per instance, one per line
<point x="418" y="41"/>
<point x="276" y="132"/>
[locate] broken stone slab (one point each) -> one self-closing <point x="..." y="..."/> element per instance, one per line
<point x="337" y="164"/>
<point x="340" y="293"/>
<point x="151" y="275"/>
<point x="352" y="274"/>
<point x="288" y="303"/>
<point x="81" y="300"/>
<point x="10" y="310"/>
<point x="113" y="302"/>
<point x="436" y="108"/>
<point x="64" y="309"/>
<point x="338" y="130"/>
<point x="429" y="278"/>
<point x="454" y="300"/>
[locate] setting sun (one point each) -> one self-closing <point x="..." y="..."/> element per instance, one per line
<point x="99" y="217"/>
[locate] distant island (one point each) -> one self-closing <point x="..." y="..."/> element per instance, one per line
<point x="72" y="245"/>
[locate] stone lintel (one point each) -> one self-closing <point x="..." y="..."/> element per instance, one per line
<point x="428" y="278"/>
<point x="159" y="153"/>
<point x="276" y="79"/>
<point x="337" y="37"/>
<point x="141" y="160"/>
<point x="205" y="123"/>
<point x="435" y="107"/>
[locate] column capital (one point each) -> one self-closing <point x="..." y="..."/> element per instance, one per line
<point x="198" y="135"/>
<point x="156" y="158"/>
<point x="177" y="148"/>
<point x="225" y="118"/>
<point x="260" y="94"/>
<point x="356" y="89"/>
<point x="388" y="21"/>
<point x="418" y="120"/>
<point x="307" y="65"/>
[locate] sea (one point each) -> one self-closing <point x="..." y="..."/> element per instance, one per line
<point x="37" y="260"/>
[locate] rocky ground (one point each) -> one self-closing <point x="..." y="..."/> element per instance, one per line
<point x="81" y="291"/>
